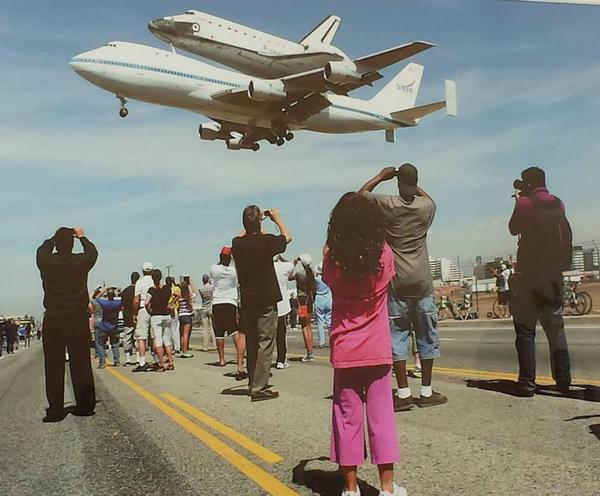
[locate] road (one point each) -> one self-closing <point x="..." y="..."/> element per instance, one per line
<point x="193" y="431"/>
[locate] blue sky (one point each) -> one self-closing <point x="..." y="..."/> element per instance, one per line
<point x="146" y="188"/>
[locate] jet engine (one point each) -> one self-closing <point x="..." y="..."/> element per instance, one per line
<point x="263" y="90"/>
<point x="344" y="71"/>
<point x="239" y="144"/>
<point x="212" y="131"/>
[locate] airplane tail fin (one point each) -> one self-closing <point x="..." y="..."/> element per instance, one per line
<point x="401" y="92"/>
<point x="412" y="115"/>
<point x="323" y="33"/>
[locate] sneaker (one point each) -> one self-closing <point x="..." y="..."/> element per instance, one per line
<point x="403" y="404"/>
<point x="127" y="364"/>
<point x="308" y="358"/>
<point x="101" y="365"/>
<point x="347" y="492"/>
<point x="141" y="368"/>
<point x="187" y="354"/>
<point x="282" y="365"/>
<point x="433" y="400"/>
<point x="417" y="372"/>
<point x="564" y="387"/>
<point x="178" y="354"/>
<point x="398" y="491"/>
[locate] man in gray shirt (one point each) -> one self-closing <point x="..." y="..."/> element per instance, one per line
<point x="411" y="298"/>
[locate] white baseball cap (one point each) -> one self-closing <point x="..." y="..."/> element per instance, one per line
<point x="306" y="259"/>
<point x="147" y="267"/>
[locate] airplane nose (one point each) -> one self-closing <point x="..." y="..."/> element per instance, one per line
<point x="78" y="62"/>
<point x="164" y="25"/>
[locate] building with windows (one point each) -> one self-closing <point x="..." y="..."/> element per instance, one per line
<point x="444" y="270"/>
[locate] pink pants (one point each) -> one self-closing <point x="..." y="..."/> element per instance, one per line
<point x="352" y="388"/>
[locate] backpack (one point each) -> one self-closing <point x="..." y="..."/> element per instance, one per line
<point x="549" y="238"/>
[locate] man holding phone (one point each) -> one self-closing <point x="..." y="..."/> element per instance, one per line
<point x="253" y="251"/>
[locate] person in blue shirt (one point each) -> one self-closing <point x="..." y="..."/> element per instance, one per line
<point x="323" y="302"/>
<point x="108" y="326"/>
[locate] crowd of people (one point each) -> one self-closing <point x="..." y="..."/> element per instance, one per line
<point x="372" y="293"/>
<point x="13" y="333"/>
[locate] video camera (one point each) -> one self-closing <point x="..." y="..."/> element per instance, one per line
<point x="521" y="186"/>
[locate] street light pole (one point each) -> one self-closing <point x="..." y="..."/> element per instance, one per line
<point x="169" y="267"/>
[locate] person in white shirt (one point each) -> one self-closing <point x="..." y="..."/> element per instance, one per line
<point x="504" y="289"/>
<point x="225" y="310"/>
<point x="141" y="315"/>
<point x="283" y="270"/>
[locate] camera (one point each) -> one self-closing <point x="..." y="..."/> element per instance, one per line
<point x="521" y="185"/>
<point x="266" y="213"/>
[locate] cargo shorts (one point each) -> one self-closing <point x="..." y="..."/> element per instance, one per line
<point x="416" y="315"/>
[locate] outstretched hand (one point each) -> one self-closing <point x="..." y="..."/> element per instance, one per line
<point x="387" y="173"/>
<point x="78" y="232"/>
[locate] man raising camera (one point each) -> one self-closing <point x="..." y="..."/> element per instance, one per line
<point x="253" y="252"/>
<point x="545" y="251"/>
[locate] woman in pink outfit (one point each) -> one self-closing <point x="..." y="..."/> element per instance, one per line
<point x="357" y="266"/>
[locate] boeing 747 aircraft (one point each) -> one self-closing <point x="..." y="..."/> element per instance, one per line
<point x="257" y="53"/>
<point x="246" y="110"/>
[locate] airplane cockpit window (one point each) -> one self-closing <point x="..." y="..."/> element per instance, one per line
<point x="190" y="12"/>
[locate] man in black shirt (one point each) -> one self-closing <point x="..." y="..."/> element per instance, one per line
<point x="127" y="295"/>
<point x="253" y="252"/>
<point x="11" y="336"/>
<point x="64" y="280"/>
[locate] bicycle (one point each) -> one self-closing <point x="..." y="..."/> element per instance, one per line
<point x="576" y="303"/>
<point x="498" y="311"/>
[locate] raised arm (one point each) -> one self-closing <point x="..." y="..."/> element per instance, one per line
<point x="275" y="216"/>
<point x="44" y="252"/>
<point x="90" y="253"/>
<point x="385" y="175"/>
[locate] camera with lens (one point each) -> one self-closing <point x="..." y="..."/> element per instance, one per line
<point x="521" y="186"/>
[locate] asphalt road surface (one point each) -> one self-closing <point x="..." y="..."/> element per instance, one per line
<point x="193" y="431"/>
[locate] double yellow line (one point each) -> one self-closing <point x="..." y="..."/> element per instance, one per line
<point x="265" y="480"/>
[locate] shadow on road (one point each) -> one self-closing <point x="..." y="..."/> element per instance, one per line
<point x="595" y="430"/>
<point x="583" y="392"/>
<point x="241" y="390"/>
<point x="70" y="410"/>
<point x="325" y="482"/>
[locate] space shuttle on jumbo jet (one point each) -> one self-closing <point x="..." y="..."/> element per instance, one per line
<point x="259" y="54"/>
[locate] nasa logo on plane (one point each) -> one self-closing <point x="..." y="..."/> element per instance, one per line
<point x="406" y="88"/>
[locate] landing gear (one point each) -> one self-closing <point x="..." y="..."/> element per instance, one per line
<point x="255" y="147"/>
<point x="289" y="136"/>
<point x="280" y="141"/>
<point x="123" y="112"/>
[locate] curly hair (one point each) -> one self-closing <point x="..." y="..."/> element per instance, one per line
<point x="356" y="235"/>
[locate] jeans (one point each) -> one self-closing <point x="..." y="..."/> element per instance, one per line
<point x="323" y="316"/>
<point x="413" y="315"/>
<point x="539" y="297"/>
<point x="101" y="337"/>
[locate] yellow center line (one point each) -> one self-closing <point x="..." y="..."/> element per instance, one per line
<point x="247" y="443"/>
<point x="265" y="480"/>
<point x="484" y="374"/>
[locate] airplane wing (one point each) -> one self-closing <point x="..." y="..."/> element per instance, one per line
<point x="365" y="71"/>
<point x="304" y="91"/>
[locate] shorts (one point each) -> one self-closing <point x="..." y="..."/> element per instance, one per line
<point x="413" y="315"/>
<point x="161" y="328"/>
<point x="185" y="319"/>
<point x="142" y="328"/>
<point x="503" y="297"/>
<point x="224" y="320"/>
<point x="308" y="301"/>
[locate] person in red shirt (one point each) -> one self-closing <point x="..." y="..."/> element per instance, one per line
<point x="358" y="265"/>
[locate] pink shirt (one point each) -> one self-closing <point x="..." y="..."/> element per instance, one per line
<point x="360" y="329"/>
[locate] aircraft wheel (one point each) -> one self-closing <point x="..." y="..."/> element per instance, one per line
<point x="280" y="141"/>
<point x="289" y="136"/>
<point x="123" y="112"/>
<point x="255" y="147"/>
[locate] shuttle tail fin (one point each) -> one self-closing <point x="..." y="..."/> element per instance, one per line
<point x="323" y="33"/>
<point x="401" y="92"/>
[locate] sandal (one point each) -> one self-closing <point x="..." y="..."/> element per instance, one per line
<point x="160" y="369"/>
<point x="170" y="367"/>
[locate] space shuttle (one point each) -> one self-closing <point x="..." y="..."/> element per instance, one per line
<point x="259" y="54"/>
